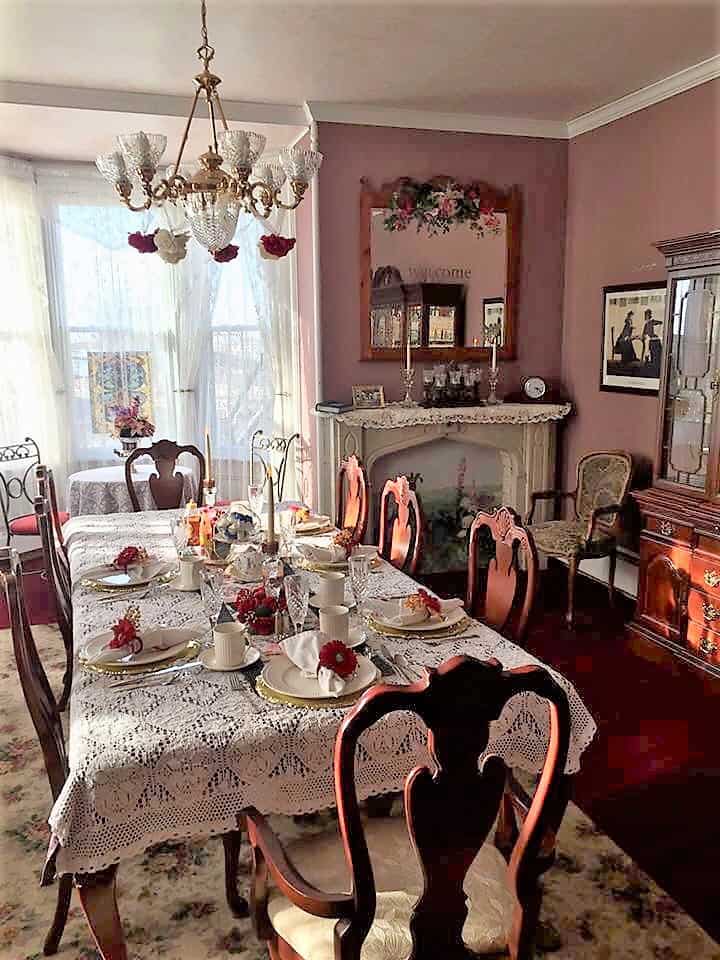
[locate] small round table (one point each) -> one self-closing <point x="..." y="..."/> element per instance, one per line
<point x="103" y="489"/>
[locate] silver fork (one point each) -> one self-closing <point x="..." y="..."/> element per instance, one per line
<point x="237" y="683"/>
<point x="399" y="662"/>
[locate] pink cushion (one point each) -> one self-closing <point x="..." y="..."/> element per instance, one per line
<point x="27" y="526"/>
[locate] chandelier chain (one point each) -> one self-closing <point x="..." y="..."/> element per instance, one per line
<point x="205" y="52"/>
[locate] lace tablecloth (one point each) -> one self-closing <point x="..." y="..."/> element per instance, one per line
<point x="103" y="489"/>
<point x="160" y="763"/>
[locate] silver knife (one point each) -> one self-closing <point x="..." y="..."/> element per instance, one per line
<point x="149" y="674"/>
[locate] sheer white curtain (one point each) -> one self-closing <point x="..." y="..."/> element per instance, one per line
<point x="32" y="401"/>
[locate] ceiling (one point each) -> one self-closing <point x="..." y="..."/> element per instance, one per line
<point x="533" y="60"/>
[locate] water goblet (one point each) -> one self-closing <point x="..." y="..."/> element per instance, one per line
<point x="288" y="522"/>
<point x="211" y="592"/>
<point x="297" y="595"/>
<point x="273" y="571"/>
<point x="359" y="575"/>
<point x="180" y="535"/>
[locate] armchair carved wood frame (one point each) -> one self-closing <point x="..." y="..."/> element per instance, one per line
<point x="603" y="482"/>
<point x="449" y="815"/>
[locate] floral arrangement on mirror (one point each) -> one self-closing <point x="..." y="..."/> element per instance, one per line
<point x="436" y="206"/>
<point x="129" y="423"/>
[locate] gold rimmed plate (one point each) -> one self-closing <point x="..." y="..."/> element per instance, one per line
<point x="149" y="661"/>
<point x="107" y="577"/>
<point x="325" y="703"/>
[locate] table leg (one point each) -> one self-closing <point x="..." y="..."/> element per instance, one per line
<point x="99" y="902"/>
<point x="232" y="841"/>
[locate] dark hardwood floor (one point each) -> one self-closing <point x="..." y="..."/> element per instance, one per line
<point x="651" y="779"/>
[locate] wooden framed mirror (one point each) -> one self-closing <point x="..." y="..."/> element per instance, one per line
<point x="449" y="283"/>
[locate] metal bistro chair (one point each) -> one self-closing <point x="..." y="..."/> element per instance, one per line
<point x="603" y="481"/>
<point x="429" y="885"/>
<point x="18" y="488"/>
<point x="167" y="487"/>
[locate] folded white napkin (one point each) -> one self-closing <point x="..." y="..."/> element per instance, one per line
<point x="98" y="649"/>
<point x="304" y="651"/>
<point x="330" y="553"/>
<point x="407" y="617"/>
<point x="141" y="570"/>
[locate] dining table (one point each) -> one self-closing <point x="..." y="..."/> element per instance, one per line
<point x="156" y="762"/>
<point x="104" y="489"/>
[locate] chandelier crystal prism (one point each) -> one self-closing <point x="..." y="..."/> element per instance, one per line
<point x="213" y="196"/>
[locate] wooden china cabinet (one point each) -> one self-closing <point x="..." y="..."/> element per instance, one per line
<point x="679" y="586"/>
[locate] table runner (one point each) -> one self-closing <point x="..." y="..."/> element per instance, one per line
<point x="172" y="762"/>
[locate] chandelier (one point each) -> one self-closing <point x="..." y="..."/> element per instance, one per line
<point x="212" y="197"/>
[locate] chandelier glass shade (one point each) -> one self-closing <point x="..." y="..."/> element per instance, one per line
<point x="232" y="176"/>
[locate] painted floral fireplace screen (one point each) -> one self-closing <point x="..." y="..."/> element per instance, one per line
<point x="115" y="378"/>
<point x="456" y="481"/>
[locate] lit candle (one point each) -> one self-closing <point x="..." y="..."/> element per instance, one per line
<point x="476" y="342"/>
<point x="407" y="355"/>
<point x="208" y="457"/>
<point x="494" y="355"/>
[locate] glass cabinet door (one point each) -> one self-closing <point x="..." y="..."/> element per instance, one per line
<point x="693" y="377"/>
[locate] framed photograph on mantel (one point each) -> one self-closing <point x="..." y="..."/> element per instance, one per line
<point x="367" y="396"/>
<point x="632" y="338"/>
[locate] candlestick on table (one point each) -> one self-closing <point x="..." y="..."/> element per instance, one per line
<point x="407" y="354"/>
<point x="270" y="545"/>
<point x="209" y="482"/>
<point x="494" y="355"/>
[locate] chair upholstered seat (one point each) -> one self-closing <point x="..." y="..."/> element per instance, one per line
<point x="27" y="526"/>
<point x="398" y="882"/>
<point x="563" y="538"/>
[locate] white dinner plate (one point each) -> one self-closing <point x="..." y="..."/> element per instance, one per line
<point x="184" y="636"/>
<point x="364" y="550"/>
<point x="282" y="676"/>
<point x="382" y="612"/>
<point x="316" y="524"/>
<point x="108" y="576"/>
<point x="207" y="659"/>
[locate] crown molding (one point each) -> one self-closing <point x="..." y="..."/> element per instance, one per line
<point x="157" y="104"/>
<point x="645" y="97"/>
<point x="361" y="114"/>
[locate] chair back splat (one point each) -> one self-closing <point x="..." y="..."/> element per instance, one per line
<point x="509" y="589"/>
<point x="353" y="498"/>
<point x="17" y="466"/>
<point x="167" y="486"/>
<point x="400" y="538"/>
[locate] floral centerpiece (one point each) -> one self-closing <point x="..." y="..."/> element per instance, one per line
<point x="130" y="426"/>
<point x="257" y="609"/>
<point x="437" y="205"/>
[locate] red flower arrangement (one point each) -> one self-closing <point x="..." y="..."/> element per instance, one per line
<point x="273" y="247"/>
<point x="129" y="423"/>
<point x="128" y="556"/>
<point x="335" y="656"/>
<point x="143" y="242"/>
<point x="423" y="599"/>
<point x="226" y="254"/>
<point x="257" y="609"/>
<point x="125" y="631"/>
<point x="345" y="539"/>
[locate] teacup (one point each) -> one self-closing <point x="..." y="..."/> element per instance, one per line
<point x="230" y="644"/>
<point x="331" y="589"/>
<point x="190" y="567"/>
<point x="335" y="622"/>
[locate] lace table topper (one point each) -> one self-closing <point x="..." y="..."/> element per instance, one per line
<point x="169" y="762"/>
<point x="103" y="489"/>
<point x="394" y="415"/>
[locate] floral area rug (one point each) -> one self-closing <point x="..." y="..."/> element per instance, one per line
<point x="598" y="905"/>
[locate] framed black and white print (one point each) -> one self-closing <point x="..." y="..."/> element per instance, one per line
<point x="633" y="337"/>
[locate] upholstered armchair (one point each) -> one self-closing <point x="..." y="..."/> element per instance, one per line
<point x="603" y="480"/>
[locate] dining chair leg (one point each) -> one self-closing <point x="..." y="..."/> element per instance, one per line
<point x="232" y="841"/>
<point x="52" y="940"/>
<point x="67" y="680"/>
<point x="611" y="576"/>
<point x="99" y="903"/>
<point x="572" y="576"/>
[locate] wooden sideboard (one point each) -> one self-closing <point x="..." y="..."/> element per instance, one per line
<point x="678" y="603"/>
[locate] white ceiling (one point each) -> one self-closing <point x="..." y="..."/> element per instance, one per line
<point x="546" y="61"/>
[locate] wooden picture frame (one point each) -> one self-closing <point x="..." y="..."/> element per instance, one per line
<point x="368" y="396"/>
<point x="503" y="201"/>
<point x="631" y="314"/>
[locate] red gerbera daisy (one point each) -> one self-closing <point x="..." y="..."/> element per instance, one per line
<point x="335" y="656"/>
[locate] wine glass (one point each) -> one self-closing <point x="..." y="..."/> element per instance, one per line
<point x="288" y="521"/>
<point x="297" y="595"/>
<point x="256" y="499"/>
<point x="359" y="574"/>
<point x="180" y="536"/>
<point x="211" y="591"/>
<point x="272" y="571"/>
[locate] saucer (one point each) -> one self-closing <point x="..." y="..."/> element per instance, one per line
<point x="315" y="603"/>
<point x="207" y="658"/>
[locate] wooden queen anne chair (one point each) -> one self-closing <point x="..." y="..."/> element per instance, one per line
<point x="353" y="498"/>
<point x="603" y="481"/>
<point x="401" y="525"/>
<point x="167" y="487"/>
<point x="455" y="895"/>
<point x="511" y="580"/>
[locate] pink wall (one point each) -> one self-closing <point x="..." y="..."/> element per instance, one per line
<point x="650" y="176"/>
<point x="308" y="379"/>
<point x="382" y="154"/>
